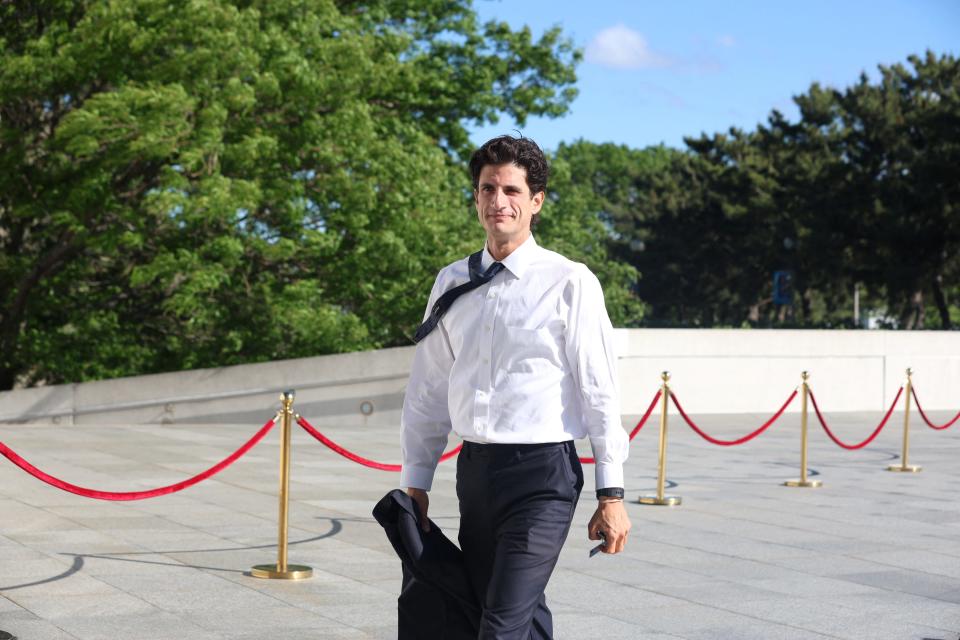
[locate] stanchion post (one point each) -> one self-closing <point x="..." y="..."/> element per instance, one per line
<point x="282" y="570"/>
<point x="660" y="499"/>
<point x="903" y="466"/>
<point x="803" y="481"/>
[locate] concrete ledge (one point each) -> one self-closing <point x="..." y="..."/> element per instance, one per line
<point x="713" y="370"/>
<point x="327" y="387"/>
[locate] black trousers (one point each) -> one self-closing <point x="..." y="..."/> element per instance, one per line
<point x="516" y="505"/>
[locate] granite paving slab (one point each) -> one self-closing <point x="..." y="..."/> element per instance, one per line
<point x="871" y="554"/>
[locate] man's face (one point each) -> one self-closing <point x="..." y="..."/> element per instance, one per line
<point x="505" y="205"/>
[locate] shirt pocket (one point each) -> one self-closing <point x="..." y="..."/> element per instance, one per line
<point x="531" y="350"/>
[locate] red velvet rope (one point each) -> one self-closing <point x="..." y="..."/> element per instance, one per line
<point x="873" y="435"/>
<point x="373" y="464"/>
<point x="729" y="443"/>
<point x="636" y="429"/>
<point x="12" y="456"/>
<point x="947" y="425"/>
<point x="383" y="466"/>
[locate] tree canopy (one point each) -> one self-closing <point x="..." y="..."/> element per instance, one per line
<point x="204" y="182"/>
<point x="862" y="191"/>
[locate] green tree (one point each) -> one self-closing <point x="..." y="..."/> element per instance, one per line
<point x="904" y="137"/>
<point x="591" y="185"/>
<point x="871" y="176"/>
<point x="204" y="182"/>
<point x="598" y="189"/>
<point x="718" y="237"/>
<point x="862" y="191"/>
<point x="686" y="221"/>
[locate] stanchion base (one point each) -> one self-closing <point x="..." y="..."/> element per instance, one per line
<point x="906" y="468"/>
<point x="293" y="572"/>
<point x="665" y="501"/>
<point x="803" y="483"/>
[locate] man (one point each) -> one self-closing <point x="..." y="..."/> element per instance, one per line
<point x="515" y="355"/>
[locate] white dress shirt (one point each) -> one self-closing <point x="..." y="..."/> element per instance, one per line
<point x="526" y="358"/>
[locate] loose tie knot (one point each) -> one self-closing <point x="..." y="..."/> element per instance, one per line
<point x="445" y="301"/>
<point x="486" y="276"/>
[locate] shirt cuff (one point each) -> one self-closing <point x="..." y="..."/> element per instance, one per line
<point x="416" y="477"/>
<point x="609" y="474"/>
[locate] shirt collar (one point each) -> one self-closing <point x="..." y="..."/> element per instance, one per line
<point x="518" y="261"/>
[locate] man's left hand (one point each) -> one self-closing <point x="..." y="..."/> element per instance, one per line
<point x="611" y="518"/>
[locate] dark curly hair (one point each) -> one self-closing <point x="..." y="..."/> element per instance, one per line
<point x="522" y="152"/>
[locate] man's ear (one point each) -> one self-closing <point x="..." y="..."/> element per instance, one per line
<point x="538" y="201"/>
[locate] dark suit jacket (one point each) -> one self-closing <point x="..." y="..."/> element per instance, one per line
<point x="436" y="601"/>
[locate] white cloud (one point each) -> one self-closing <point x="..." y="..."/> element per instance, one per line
<point x="727" y="40"/>
<point x="623" y="48"/>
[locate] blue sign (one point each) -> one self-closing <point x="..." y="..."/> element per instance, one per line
<point x="782" y="287"/>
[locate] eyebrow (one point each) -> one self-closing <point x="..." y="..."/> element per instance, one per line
<point x="505" y="187"/>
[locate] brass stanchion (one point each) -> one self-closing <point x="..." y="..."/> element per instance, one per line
<point x="282" y="570"/>
<point x="903" y="466"/>
<point x="803" y="481"/>
<point x="660" y="499"/>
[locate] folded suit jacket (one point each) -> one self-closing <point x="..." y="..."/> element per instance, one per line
<point x="436" y="601"/>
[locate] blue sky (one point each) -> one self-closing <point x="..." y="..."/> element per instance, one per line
<point x="655" y="72"/>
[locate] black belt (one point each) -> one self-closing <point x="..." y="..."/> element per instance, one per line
<point x="509" y="447"/>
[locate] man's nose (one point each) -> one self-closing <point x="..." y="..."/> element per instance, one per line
<point x="500" y="199"/>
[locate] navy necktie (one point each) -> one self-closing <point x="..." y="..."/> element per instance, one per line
<point x="444" y="302"/>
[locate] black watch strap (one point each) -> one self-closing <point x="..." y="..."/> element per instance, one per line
<point x="610" y="492"/>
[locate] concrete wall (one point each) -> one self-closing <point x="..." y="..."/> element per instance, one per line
<point x="328" y="389"/>
<point x="712" y="371"/>
<point x="754" y="371"/>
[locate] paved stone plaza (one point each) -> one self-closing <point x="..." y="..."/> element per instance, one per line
<point x="870" y="555"/>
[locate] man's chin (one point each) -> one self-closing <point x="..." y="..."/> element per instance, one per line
<point x="505" y="233"/>
<point x="502" y="229"/>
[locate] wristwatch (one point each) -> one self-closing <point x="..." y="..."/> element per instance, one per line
<point x="610" y="492"/>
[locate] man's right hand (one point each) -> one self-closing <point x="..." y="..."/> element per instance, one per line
<point x="423" y="503"/>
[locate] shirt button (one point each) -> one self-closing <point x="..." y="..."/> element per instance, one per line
<point x="487" y="327"/>
<point x="486" y="361"/>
